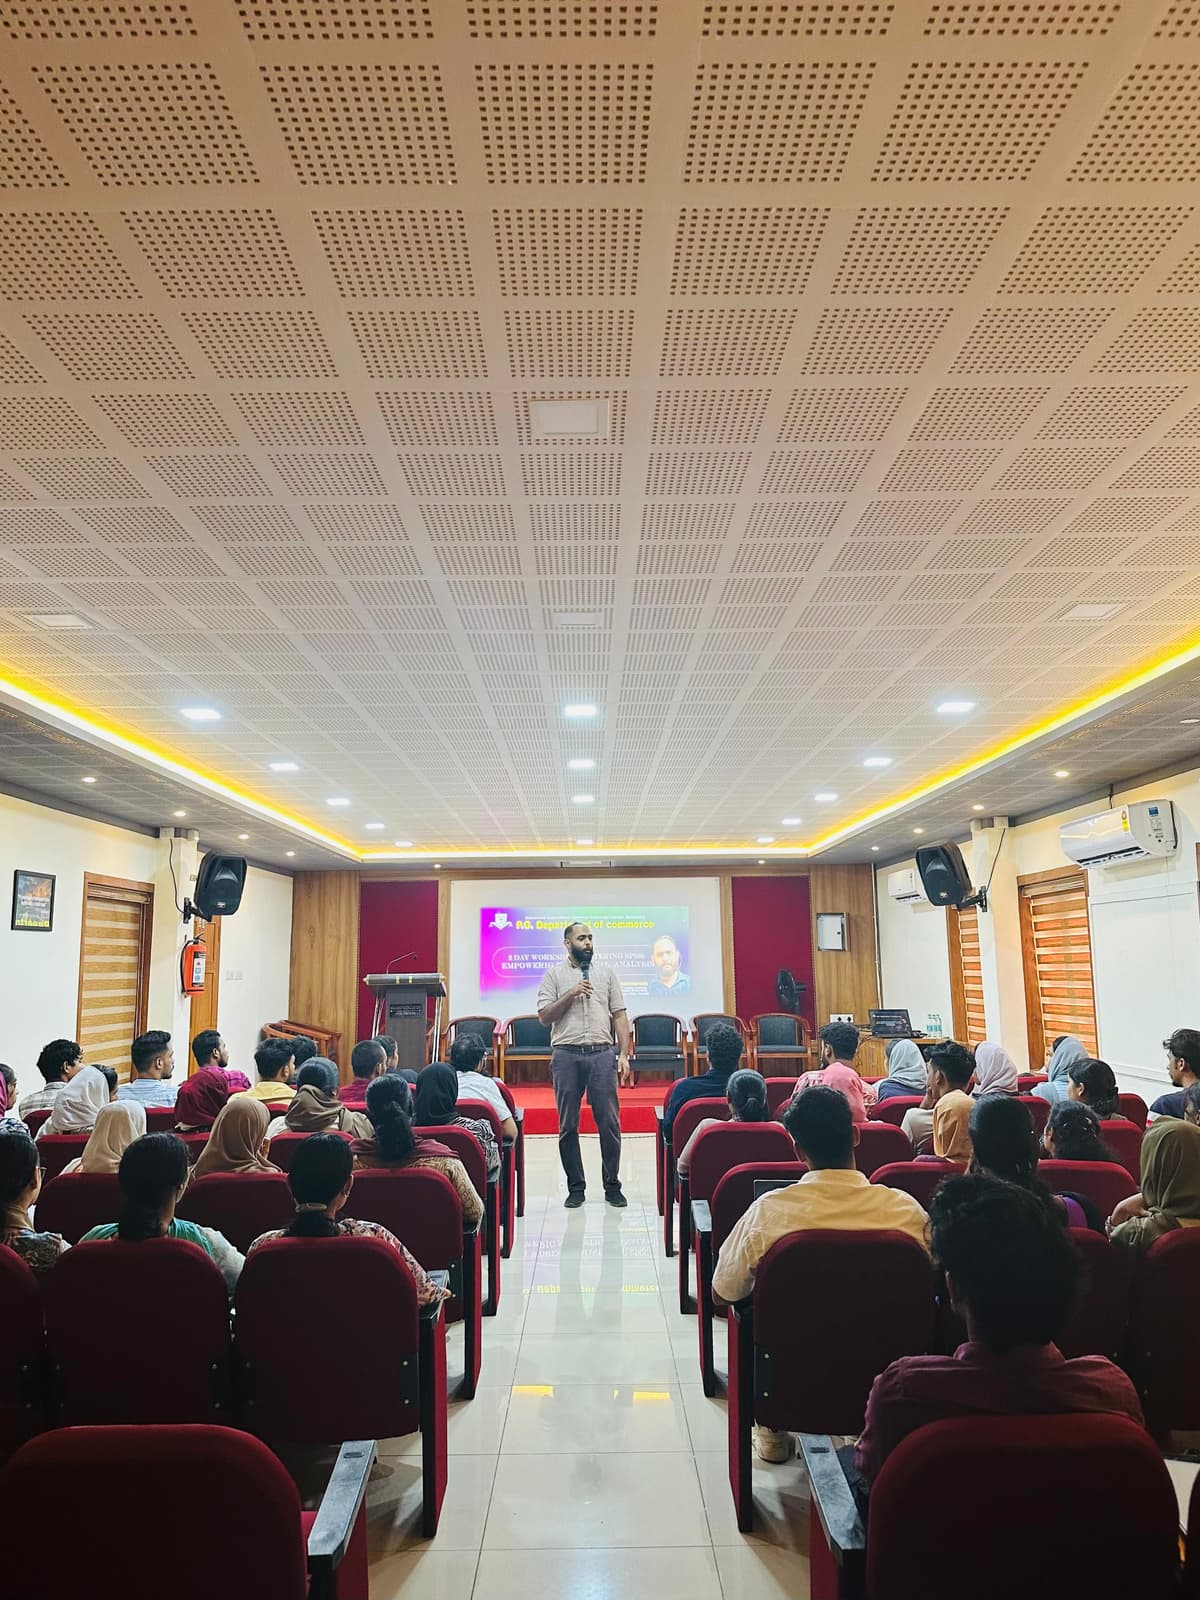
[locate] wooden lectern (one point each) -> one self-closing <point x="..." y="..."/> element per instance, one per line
<point x="401" y="1010"/>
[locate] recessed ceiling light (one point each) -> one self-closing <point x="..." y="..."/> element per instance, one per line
<point x="56" y="619"/>
<point x="569" y="419"/>
<point x="200" y="713"/>
<point x="825" y="798"/>
<point x="918" y="830"/>
<point x="289" y="852"/>
<point x="878" y="761"/>
<point x="285" y="766"/>
<point x="179" y="813"/>
<point x="581" y="764"/>
<point x="765" y="838"/>
<point x="437" y="866"/>
<point x="337" y="800"/>
<point x="374" y="827"/>
<point x="582" y="799"/>
<point x="1062" y="773"/>
<point x="402" y="844"/>
<point x="976" y="808"/>
<point x="576" y="621"/>
<point x="874" y="847"/>
<point x="87" y="780"/>
<point x="762" y="861"/>
<point x="956" y="708"/>
<point x="243" y="837"/>
<point x="1091" y="613"/>
<point x="1186" y="722"/>
<point x="581" y="710"/>
<point x="791" y="822"/>
<point x="585" y="841"/>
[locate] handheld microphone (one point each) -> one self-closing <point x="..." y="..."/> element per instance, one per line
<point x="585" y="968"/>
<point x="394" y="959"/>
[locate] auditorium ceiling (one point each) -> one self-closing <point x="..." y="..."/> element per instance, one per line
<point x="387" y="376"/>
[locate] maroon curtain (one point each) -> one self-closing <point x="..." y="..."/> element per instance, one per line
<point x="772" y="928"/>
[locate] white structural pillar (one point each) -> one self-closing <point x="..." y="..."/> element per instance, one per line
<point x="1000" y="938"/>
<point x="169" y="1008"/>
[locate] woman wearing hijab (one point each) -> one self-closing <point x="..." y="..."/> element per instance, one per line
<point x="238" y="1141"/>
<point x="1067" y="1051"/>
<point x="436" y="1106"/>
<point x="118" y="1124"/>
<point x="77" y="1104"/>
<point x="995" y="1070"/>
<point x="905" y="1071"/>
<point x="1170" y="1197"/>
<point x="392" y="1142"/>
<point x="201" y="1099"/>
<point x="315" y="1107"/>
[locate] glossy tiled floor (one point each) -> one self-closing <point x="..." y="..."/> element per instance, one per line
<point x="589" y="1463"/>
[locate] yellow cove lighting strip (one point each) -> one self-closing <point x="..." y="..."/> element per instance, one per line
<point x="96" y="731"/>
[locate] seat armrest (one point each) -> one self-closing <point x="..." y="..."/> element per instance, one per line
<point x="440" y="1279"/>
<point x="833" y="1497"/>
<point x="470" y="1229"/>
<point x="517" y="1113"/>
<point x="345" y="1492"/>
<point x="702" y="1216"/>
<point x="658" y="1115"/>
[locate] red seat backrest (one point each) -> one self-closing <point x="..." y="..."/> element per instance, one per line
<point x="467" y="1148"/>
<point x="1027" y="1082"/>
<point x="1166" y="1312"/>
<point x="1100" y="1319"/>
<point x="733" y="1144"/>
<point x="779" y="1092"/>
<point x="921" y="1179"/>
<point x="692" y="1112"/>
<point x="879" y="1144"/>
<point x="420" y="1206"/>
<point x="55" y="1150"/>
<point x="1103" y="1182"/>
<point x="1106" y="1474"/>
<point x="251" y="1509"/>
<point x="832" y="1308"/>
<point x="73" y="1205"/>
<point x="1124" y="1139"/>
<point x="1135" y="1108"/>
<point x="893" y="1108"/>
<point x="240" y="1205"/>
<point x="161" y="1119"/>
<point x="35" y="1119"/>
<point x="111" y="1306"/>
<point x="343" y="1294"/>
<point x="20" y="1351"/>
<point x="1039" y="1111"/>
<point x="734" y="1193"/>
<point x="477" y="1109"/>
<point x="283" y="1145"/>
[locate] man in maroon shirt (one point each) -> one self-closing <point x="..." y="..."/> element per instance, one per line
<point x="1012" y="1273"/>
<point x="367" y="1061"/>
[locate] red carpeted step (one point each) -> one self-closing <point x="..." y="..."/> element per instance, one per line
<point x="637" y="1108"/>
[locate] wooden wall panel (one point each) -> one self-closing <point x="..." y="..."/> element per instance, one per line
<point x="845" y="980"/>
<point x="324" y="987"/>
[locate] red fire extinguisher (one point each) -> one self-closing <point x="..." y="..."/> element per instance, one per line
<point x="192" y="961"/>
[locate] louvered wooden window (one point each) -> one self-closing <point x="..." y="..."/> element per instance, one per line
<point x="966" y="976"/>
<point x="1056" y="948"/>
<point x="114" y="968"/>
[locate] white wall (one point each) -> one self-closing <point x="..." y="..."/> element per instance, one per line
<point x="913" y="957"/>
<point x="256" y="959"/>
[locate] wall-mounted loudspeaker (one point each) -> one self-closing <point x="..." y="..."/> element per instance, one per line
<point x="945" y="878"/>
<point x="219" y="885"/>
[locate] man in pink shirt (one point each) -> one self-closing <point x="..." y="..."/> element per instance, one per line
<point x="839" y="1046"/>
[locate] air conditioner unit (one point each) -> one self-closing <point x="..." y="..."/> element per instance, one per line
<point x="1136" y="832"/>
<point x="905" y="887"/>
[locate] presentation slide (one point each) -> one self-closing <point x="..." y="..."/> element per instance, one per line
<point x="662" y="936"/>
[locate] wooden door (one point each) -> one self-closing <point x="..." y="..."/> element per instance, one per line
<point x="1056" y="950"/>
<point x="966" y="976"/>
<point x="114" y="968"/>
<point x="204" y="1006"/>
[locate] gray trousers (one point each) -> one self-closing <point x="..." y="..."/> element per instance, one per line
<point x="572" y="1072"/>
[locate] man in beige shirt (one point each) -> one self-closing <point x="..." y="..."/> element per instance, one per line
<point x="581" y="1000"/>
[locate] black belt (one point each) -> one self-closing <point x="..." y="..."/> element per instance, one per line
<point x="585" y="1049"/>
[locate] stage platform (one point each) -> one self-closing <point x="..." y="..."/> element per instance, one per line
<point x="637" y="1107"/>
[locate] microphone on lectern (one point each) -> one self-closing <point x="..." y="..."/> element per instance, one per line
<point x="394" y="959"/>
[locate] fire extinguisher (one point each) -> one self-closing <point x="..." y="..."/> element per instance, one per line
<point x="192" y="961"/>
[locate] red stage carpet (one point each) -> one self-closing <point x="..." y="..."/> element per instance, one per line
<point x="637" y="1108"/>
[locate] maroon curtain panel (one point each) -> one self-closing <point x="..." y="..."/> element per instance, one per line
<point x="393" y="919"/>
<point x="772" y="928"/>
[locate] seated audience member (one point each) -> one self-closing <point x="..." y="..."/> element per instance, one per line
<point x="75" y="1110"/>
<point x="303" y="1049"/>
<point x="1073" y="1133"/>
<point x="392" y="1143"/>
<point x="831" y="1194"/>
<point x="321" y="1178"/>
<point x="905" y="1071"/>
<point x="1004" y="1146"/>
<point x="58" y="1063"/>
<point x="111" y="1079"/>
<point x="153" y="1063"/>
<point x="1183" y="1068"/>
<point x="467" y="1051"/>
<point x="201" y="1099"/>
<point x="947" y="1074"/>
<point x="275" y="1062"/>
<point x="435" y="1106"/>
<point x="1067" y="1051"/>
<point x="1094" y="1084"/>
<point x="367" y="1061"/>
<point x="315" y="1107"/>
<point x="995" y="1070"/>
<point x="1191" y="1104"/>
<point x="746" y="1093"/>
<point x="724" y="1045"/>
<point x="839" y="1046"/>
<point x="8" y="1088"/>
<point x="392" y="1064"/>
<point x="1170" y="1192"/>
<point x="153" y="1175"/>
<point x="118" y="1124"/>
<point x="210" y="1050"/>
<point x="238" y="1141"/>
<point x="20" y="1185"/>
<point x="1012" y="1273"/>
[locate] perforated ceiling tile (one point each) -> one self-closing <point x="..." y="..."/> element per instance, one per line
<point x="340" y="475"/>
<point x="1092" y="249"/>
<point x="175" y="124"/>
<point x="1164" y="469"/>
<point x="402" y="345"/>
<point x="459" y="475"/>
<point x="759" y="250"/>
<point x="774" y="121"/>
<point x="1049" y="469"/>
<point x="48" y="21"/>
<point x="696" y="472"/>
<point x="1021" y="19"/>
<point x="1150" y="130"/>
<point x="1028" y="517"/>
<point x="82" y="477"/>
<point x="59" y="255"/>
<point x="335" y="21"/>
<point x="363" y="122"/>
<point x="451" y="417"/>
<point x="1163" y="340"/>
<point x="25" y="163"/>
<point x="11" y="489"/>
<point x="978" y="555"/>
<point x="165" y="421"/>
<point x="725" y="342"/>
<point x="778" y="556"/>
<point x="562" y="19"/>
<point x="170" y="561"/>
<point x="1106" y="412"/>
<point x="797" y="19"/>
<point x="315" y="418"/>
<point x="362" y="560"/>
<point x="578" y="475"/>
<point x="931" y="471"/>
<point x="14" y="368"/>
<point x="1128" y="514"/>
<point x="262" y="344"/>
<point x="1129" y="585"/>
<point x="569" y="343"/>
<point x="678" y="560"/>
<point x="708" y="416"/>
<point x="802" y="472"/>
<point x="955" y="413"/>
<point x="134" y="524"/>
<point x="110" y="347"/>
<point x="210" y="254"/>
<point x="577" y="251"/>
<point x="225" y="476"/>
<point x="1029" y="339"/>
<point x="874" y="339"/>
<point x="839" y="416"/>
<point x="917" y="249"/>
<point x="43" y="422"/>
<point x="560" y="122"/>
<point x="904" y="519"/>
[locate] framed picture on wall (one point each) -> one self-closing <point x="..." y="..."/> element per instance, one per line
<point x="33" y="901"/>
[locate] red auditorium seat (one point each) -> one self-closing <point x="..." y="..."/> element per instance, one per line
<point x="1104" y="1183"/>
<point x="470" y="1152"/>
<point x="1099" y="1324"/>
<point x="684" y="1125"/>
<point x="894" y="1107"/>
<point x="880" y="1144"/>
<point x="35" y="1119"/>
<point x="57" y="1150"/>
<point x="73" y="1205"/>
<point x="921" y="1179"/>
<point x="282" y="1147"/>
<point x="1027" y="1082"/>
<point x="779" y="1092"/>
<point x="22" y="1389"/>
<point x="508" y="1188"/>
<point x="1038" y="1109"/>
<point x="732" y="1144"/>
<point x="253" y="1538"/>
<point x="1124" y="1139"/>
<point x="348" y="1295"/>
<point x="101" y="1300"/>
<point x="806" y="1360"/>
<point x="161" y="1119"/>
<point x="518" y="1117"/>
<point x="240" y="1205"/>
<point x="1135" y="1108"/>
<point x="1166" y="1313"/>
